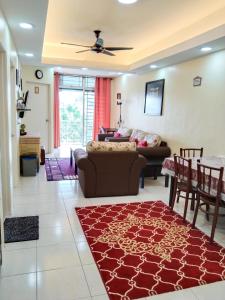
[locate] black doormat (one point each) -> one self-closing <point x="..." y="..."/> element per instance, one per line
<point x="21" y="229"/>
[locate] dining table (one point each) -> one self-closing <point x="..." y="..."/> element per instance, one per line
<point x="212" y="161"/>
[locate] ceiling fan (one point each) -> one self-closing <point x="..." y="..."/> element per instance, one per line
<point x="98" y="46"/>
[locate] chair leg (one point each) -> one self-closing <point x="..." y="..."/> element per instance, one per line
<point x="196" y="210"/>
<point x="193" y="201"/>
<point x="186" y="205"/>
<point x="178" y="196"/>
<point x="174" y="193"/>
<point x="166" y="180"/>
<point x="207" y="212"/>
<point x="215" y="217"/>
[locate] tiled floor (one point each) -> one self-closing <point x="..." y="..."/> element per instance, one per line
<point x="59" y="266"/>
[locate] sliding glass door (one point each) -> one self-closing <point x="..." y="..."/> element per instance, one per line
<point x="76" y="110"/>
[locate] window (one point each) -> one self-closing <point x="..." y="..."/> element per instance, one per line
<point x="76" y="109"/>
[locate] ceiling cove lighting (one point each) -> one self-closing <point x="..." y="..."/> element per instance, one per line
<point x="29" y="54"/>
<point x="26" y="25"/>
<point x="153" y="66"/>
<point x="127" y="1"/>
<point x="206" y="49"/>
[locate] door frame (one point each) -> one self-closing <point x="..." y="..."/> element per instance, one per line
<point x="5" y="137"/>
<point x="49" y="131"/>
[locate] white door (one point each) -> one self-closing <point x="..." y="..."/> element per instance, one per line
<point x="37" y="120"/>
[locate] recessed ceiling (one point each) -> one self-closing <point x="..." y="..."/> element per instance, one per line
<point x="149" y="26"/>
<point x="26" y="41"/>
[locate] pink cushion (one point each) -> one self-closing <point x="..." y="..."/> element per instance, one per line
<point x="117" y="135"/>
<point x="134" y="140"/>
<point x="142" y="143"/>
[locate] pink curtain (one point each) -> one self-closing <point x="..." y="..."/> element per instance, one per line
<point x="56" y="112"/>
<point x="102" y="104"/>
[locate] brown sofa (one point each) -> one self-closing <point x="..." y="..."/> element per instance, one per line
<point x="154" y="155"/>
<point x="109" y="173"/>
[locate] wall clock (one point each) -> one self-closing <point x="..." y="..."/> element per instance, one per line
<point x="38" y="74"/>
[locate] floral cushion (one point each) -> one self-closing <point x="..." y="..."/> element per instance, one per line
<point x="124" y="131"/>
<point x="138" y="134"/>
<point x="94" y="146"/>
<point x="152" y="140"/>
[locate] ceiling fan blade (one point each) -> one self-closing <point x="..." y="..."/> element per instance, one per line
<point x="107" y="52"/>
<point x="71" y="44"/>
<point x="118" y="48"/>
<point x="81" y="51"/>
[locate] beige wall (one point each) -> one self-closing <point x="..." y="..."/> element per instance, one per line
<point x="8" y="126"/>
<point x="192" y="116"/>
<point x="28" y="74"/>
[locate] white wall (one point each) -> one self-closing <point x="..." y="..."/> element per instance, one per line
<point x="8" y="94"/>
<point x="28" y="75"/>
<point x="192" y="116"/>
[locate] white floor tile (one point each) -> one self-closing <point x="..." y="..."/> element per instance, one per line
<point x="18" y="262"/>
<point x="53" y="220"/>
<point x="66" y="267"/>
<point x="22" y="287"/>
<point x="94" y="280"/>
<point x="57" y="256"/>
<point x="186" y="294"/>
<point x="62" y="284"/>
<point x="85" y="253"/>
<point x="54" y="235"/>
<point x="101" y="297"/>
<point x="210" y="291"/>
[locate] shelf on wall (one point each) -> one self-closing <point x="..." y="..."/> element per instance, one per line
<point x="23" y="109"/>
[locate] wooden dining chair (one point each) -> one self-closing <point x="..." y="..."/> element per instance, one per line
<point x="182" y="182"/>
<point x="209" y="193"/>
<point x="191" y="152"/>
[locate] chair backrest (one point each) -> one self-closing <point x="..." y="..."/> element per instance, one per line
<point x="191" y="152"/>
<point x="182" y="167"/>
<point x="210" y="180"/>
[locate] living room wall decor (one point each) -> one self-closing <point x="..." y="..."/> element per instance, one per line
<point x="154" y="91"/>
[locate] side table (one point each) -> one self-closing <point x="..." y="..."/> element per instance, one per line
<point x="155" y="165"/>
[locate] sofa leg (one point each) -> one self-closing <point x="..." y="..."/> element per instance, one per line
<point x="142" y="177"/>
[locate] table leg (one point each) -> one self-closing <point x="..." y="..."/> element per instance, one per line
<point x="171" y="190"/>
<point x="166" y="180"/>
<point x="71" y="157"/>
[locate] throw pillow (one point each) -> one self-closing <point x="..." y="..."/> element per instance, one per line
<point x="117" y="134"/>
<point x="94" y="146"/>
<point x="124" y="131"/>
<point x="138" y="134"/>
<point x="142" y="143"/>
<point x="152" y="140"/>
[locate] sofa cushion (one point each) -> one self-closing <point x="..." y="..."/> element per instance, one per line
<point x="138" y="134"/>
<point x="117" y="134"/>
<point x="124" y="131"/>
<point x="152" y="140"/>
<point x="142" y="143"/>
<point x="94" y="146"/>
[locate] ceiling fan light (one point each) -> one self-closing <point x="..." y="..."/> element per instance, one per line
<point x="127" y="1"/>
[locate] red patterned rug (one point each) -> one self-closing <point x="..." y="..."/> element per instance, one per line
<point x="144" y="249"/>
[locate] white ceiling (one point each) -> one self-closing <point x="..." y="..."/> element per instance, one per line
<point x="26" y="41"/>
<point x="161" y="31"/>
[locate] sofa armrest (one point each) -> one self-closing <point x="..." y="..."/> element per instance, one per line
<point x="155" y="152"/>
<point x="135" y="172"/>
<point x="118" y="140"/>
<point x="101" y="136"/>
<point x="86" y="172"/>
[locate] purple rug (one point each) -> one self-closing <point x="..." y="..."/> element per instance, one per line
<point x="59" y="169"/>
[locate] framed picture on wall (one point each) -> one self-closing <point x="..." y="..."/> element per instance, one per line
<point x="154" y="91"/>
